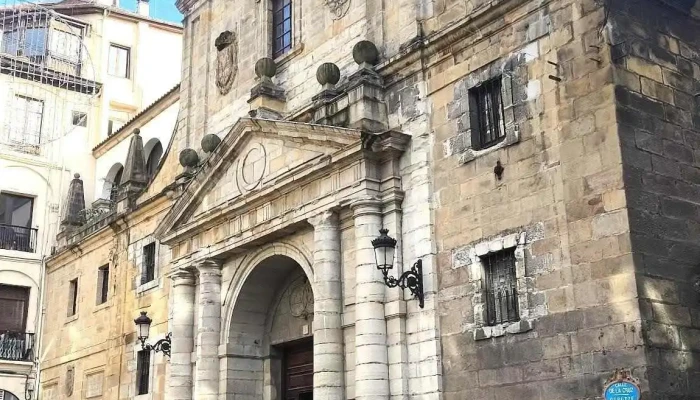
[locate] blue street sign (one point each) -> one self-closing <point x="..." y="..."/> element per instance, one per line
<point x="622" y="391"/>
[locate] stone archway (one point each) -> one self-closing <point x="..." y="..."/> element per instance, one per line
<point x="270" y="317"/>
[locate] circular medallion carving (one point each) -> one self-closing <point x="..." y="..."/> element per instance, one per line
<point x="252" y="167"/>
<point x="301" y="300"/>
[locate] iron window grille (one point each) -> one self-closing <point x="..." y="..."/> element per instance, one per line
<point x="143" y="370"/>
<point x="149" y="263"/>
<point x="486" y="109"/>
<point x="501" y="287"/>
<point x="281" y="27"/>
<point x="102" y="284"/>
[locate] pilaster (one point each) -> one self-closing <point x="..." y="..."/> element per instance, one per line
<point x="209" y="330"/>
<point x="180" y="385"/>
<point x="328" y="332"/>
<point x="371" y="353"/>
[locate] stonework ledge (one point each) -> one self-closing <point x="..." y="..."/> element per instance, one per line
<point x="488" y="332"/>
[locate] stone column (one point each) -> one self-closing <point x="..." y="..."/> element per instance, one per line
<point x="371" y="363"/>
<point x="328" y="306"/>
<point x="209" y="331"/>
<point x="180" y="385"/>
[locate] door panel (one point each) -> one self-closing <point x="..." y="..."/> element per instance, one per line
<point x="299" y="371"/>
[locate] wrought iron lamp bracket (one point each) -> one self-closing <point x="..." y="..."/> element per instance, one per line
<point x="161" y="346"/>
<point x="411" y="280"/>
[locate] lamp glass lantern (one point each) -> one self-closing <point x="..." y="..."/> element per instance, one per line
<point x="384" y="249"/>
<point x="143" y="326"/>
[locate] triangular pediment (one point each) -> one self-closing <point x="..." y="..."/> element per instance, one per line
<point x="254" y="156"/>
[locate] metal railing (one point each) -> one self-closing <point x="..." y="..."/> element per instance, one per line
<point x="16" y="346"/>
<point x="18" y="238"/>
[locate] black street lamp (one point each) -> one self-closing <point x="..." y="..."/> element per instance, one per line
<point x="143" y="328"/>
<point x="384" y="249"/>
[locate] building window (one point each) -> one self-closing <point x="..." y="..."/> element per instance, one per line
<point x="114" y="189"/>
<point x="501" y="287"/>
<point x="110" y="127"/>
<point x="14" y="304"/>
<point x="154" y="159"/>
<point x="102" y="284"/>
<point x="486" y="106"/>
<point x="16" y="232"/>
<point x="119" y="61"/>
<point x="26" y="120"/>
<point x="79" y="118"/>
<point x="148" y="273"/>
<point x="281" y="27"/>
<point x="143" y="369"/>
<point x="73" y="297"/>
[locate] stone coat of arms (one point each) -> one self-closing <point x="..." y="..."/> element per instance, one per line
<point x="338" y="7"/>
<point x="226" y="61"/>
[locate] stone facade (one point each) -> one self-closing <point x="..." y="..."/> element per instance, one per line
<point x="265" y="229"/>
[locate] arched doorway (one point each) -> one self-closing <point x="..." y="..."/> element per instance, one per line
<point x="270" y="344"/>
<point x="5" y="395"/>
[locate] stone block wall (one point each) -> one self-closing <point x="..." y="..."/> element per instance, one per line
<point x="655" y="47"/>
<point x="560" y="205"/>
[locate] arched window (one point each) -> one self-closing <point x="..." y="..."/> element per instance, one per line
<point x="5" y="395"/>
<point x="153" y="158"/>
<point x="112" y="181"/>
<point x="281" y="27"/>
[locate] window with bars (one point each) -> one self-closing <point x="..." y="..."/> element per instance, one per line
<point x="281" y="27"/>
<point x="26" y="121"/>
<point x="148" y="272"/>
<point x="102" y="284"/>
<point x="73" y="297"/>
<point x="79" y="118"/>
<point x="143" y="371"/>
<point x="500" y="283"/>
<point x="486" y="109"/>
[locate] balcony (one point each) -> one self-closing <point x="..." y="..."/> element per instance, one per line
<point x="18" y="238"/>
<point x="16" y="346"/>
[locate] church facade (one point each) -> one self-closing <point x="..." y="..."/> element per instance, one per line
<point x="536" y="160"/>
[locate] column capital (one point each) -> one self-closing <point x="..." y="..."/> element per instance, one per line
<point x="209" y="266"/>
<point x="327" y="218"/>
<point x="366" y="206"/>
<point x="182" y="276"/>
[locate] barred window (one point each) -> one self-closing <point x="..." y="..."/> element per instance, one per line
<point x="486" y="109"/>
<point x="148" y="272"/>
<point x="102" y="284"/>
<point x="501" y="288"/>
<point x="143" y="371"/>
<point x="281" y="27"/>
<point x="79" y="118"/>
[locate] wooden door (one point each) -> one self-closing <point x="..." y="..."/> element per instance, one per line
<point x="298" y="370"/>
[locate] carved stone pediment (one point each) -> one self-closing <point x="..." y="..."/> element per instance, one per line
<point x="256" y="160"/>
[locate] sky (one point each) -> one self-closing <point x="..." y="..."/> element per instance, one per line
<point x="161" y="9"/>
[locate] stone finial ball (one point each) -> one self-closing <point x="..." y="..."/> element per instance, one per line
<point x="328" y="73"/>
<point x="189" y="158"/>
<point x="76" y="175"/>
<point x="209" y="142"/>
<point x="137" y="131"/>
<point x="365" y="51"/>
<point x="265" y="67"/>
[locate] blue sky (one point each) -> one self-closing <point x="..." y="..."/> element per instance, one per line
<point x="161" y="9"/>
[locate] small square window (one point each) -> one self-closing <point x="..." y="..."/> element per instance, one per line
<point x="73" y="297"/>
<point x="486" y="114"/>
<point x="79" y="118"/>
<point x="501" y="287"/>
<point x="148" y="272"/>
<point x="143" y="371"/>
<point x="102" y="284"/>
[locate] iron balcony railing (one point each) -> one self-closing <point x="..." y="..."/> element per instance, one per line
<point x="18" y="238"/>
<point x="16" y="346"/>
